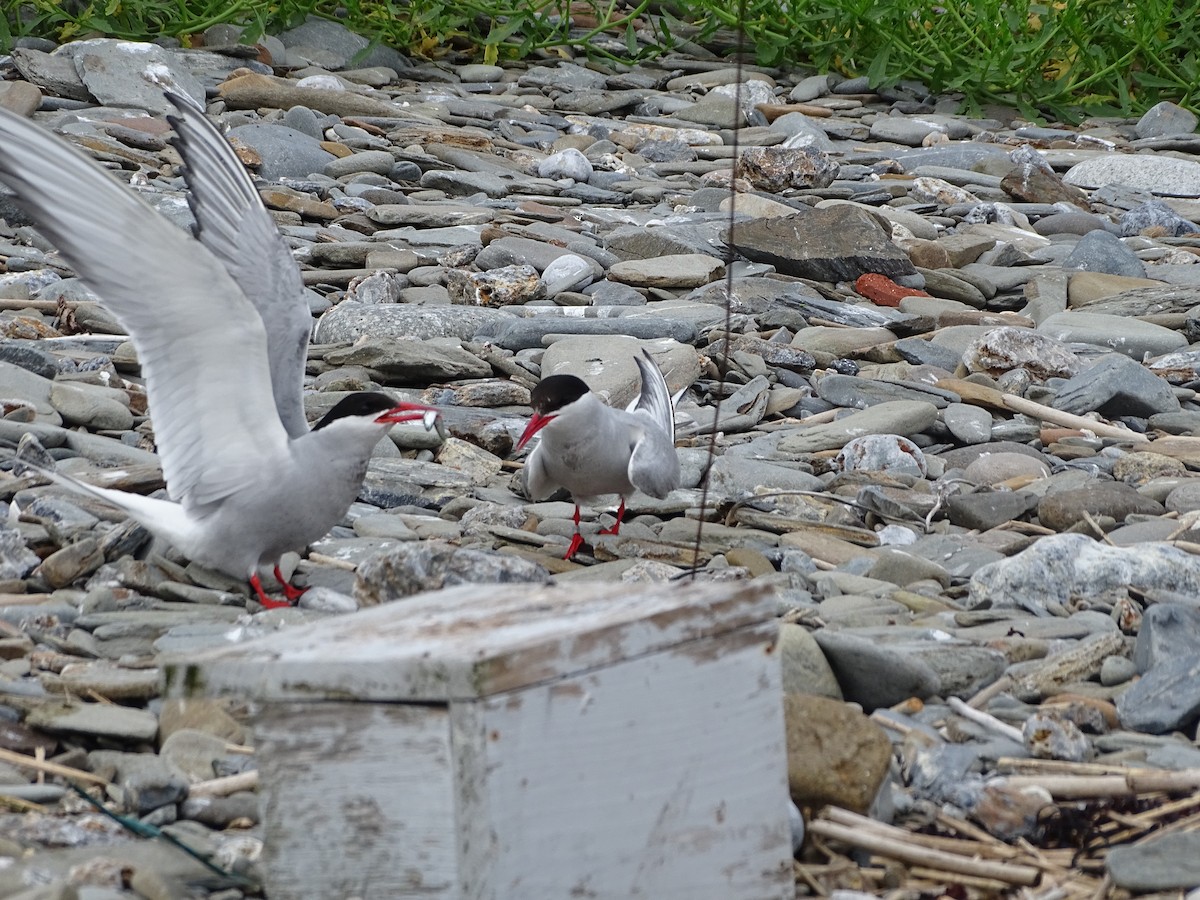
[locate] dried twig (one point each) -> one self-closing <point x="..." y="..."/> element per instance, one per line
<point x="28" y="762"/>
<point x="895" y="843"/>
<point x="987" y="721"/>
<point x="223" y="787"/>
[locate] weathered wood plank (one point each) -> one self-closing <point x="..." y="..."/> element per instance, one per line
<point x="357" y="801"/>
<point x="470" y="641"/>
<point x="664" y="778"/>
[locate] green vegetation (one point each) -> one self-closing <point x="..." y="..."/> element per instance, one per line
<point x="1061" y="58"/>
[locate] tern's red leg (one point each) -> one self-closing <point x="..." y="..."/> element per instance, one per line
<point x="616" y="529"/>
<point x="576" y="539"/>
<point x="292" y="593"/>
<point x="266" y="601"/>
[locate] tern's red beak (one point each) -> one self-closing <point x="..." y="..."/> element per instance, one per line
<point x="536" y="424"/>
<point x="410" y="412"/>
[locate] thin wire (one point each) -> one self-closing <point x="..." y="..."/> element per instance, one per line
<point x="730" y="256"/>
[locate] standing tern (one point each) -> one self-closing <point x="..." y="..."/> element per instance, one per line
<point x="590" y="448"/>
<point x="221" y="326"/>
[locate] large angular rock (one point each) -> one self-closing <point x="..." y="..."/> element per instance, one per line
<point x="838" y="243"/>
<point x="1116" y="386"/>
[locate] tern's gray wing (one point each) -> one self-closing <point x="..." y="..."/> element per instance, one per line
<point x="654" y="464"/>
<point x="655" y="397"/>
<point x="232" y="222"/>
<point x="202" y="345"/>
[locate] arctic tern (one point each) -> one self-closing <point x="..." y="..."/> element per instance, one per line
<point x="221" y="327"/>
<point x="590" y="448"/>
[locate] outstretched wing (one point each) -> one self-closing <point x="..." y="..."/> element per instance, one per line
<point x="201" y="343"/>
<point x="232" y="222"/>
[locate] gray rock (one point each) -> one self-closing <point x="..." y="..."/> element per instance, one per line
<point x="522" y="334"/>
<point x="838" y="243"/>
<point x="411" y="568"/>
<point x="1165" y="118"/>
<point x="1162" y="175"/>
<point x="780" y="168"/>
<point x="408" y="361"/>
<point x="1164" y="699"/>
<point x="1001" y="350"/>
<point x="461" y="184"/>
<point x="16" y="560"/>
<point x="802" y="131"/>
<point x="859" y="393"/>
<point x="882" y="453"/>
<point x="350" y="321"/>
<point x="1134" y="338"/>
<point x="1169" y="631"/>
<point x="92" y="407"/>
<point x="1099" y="251"/>
<point x="1058" y="567"/>
<point x="673" y="271"/>
<point x="569" y="163"/>
<point x="875" y="675"/>
<point x="913" y="130"/>
<point x="805" y="668"/>
<point x="969" y="424"/>
<point x="128" y="73"/>
<point x="1062" y="509"/>
<point x="96" y="720"/>
<point x="1155" y="214"/>
<point x="1162" y="863"/>
<point x="346" y="47"/>
<point x="987" y="509"/>
<point x="519" y="251"/>
<point x="1116" y="386"/>
<point x="285" y="152"/>
<point x="902" y="417"/>
<point x="568" y="273"/>
<point x="962" y="668"/>
<point x="378" y="161"/>
<point x="146" y="781"/>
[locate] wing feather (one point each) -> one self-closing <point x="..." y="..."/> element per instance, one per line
<point x="232" y="222"/>
<point x="202" y="345"/>
<point x="654" y="399"/>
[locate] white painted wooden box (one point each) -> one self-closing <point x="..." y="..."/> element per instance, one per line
<point x="490" y="742"/>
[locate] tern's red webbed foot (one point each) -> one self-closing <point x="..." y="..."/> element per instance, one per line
<point x="292" y="593"/>
<point x="266" y="601"/>
<point x="577" y="538"/>
<point x="616" y="528"/>
<point x="576" y="543"/>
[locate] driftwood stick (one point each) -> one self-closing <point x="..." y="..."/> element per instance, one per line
<point x="49" y="768"/>
<point x="999" y="686"/>
<point x="1007" y="872"/>
<point x="981" y="395"/>
<point x="990" y="885"/>
<point x="1073" y="787"/>
<point x="958" y="846"/>
<point x="1148" y="781"/>
<point x="223" y="787"/>
<point x="1018" y="766"/>
<point x="990" y="722"/>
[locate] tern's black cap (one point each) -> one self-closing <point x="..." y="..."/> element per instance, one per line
<point x="555" y="392"/>
<point x="363" y="403"/>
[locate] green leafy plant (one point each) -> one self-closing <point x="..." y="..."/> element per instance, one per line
<point x="1061" y="58"/>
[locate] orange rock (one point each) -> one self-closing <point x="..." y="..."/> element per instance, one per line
<point x="882" y="291"/>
